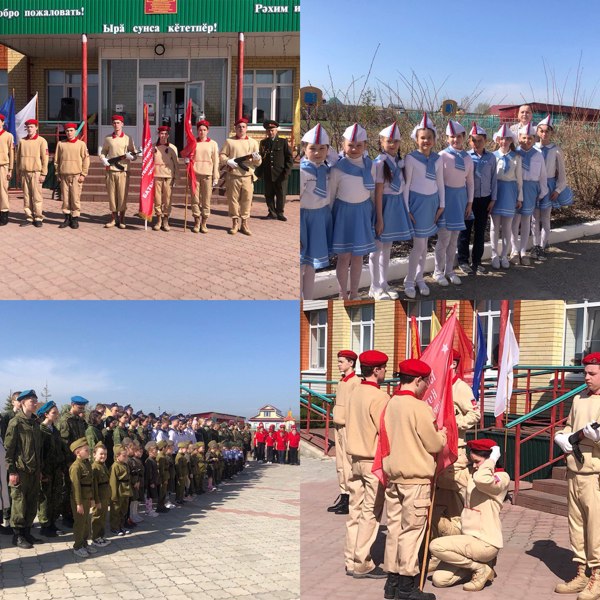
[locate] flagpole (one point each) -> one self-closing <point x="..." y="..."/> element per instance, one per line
<point x="428" y="534"/>
<point x="187" y="188"/>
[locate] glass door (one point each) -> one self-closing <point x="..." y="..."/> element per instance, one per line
<point x="148" y="94"/>
<point x="195" y="91"/>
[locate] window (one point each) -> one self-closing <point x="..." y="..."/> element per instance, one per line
<point x="3" y="86"/>
<point x="363" y="325"/>
<point x="64" y="95"/>
<point x="318" y="339"/>
<point x="119" y="90"/>
<point x="422" y="312"/>
<point x="213" y="72"/>
<point x="266" y="414"/>
<point x="489" y="313"/>
<point x="268" y="95"/>
<point x="582" y="331"/>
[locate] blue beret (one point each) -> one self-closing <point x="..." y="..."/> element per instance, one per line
<point x="174" y="418"/>
<point x="78" y="400"/>
<point x="42" y="410"/>
<point x="27" y="394"/>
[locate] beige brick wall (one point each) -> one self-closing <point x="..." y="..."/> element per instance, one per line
<point x="383" y="338"/>
<point x="340" y="330"/>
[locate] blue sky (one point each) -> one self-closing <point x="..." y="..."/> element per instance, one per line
<point x="185" y="356"/>
<point x="498" y="48"/>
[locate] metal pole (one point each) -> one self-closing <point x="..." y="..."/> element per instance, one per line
<point x="240" y="79"/>
<point x="503" y="322"/>
<point x="84" y="86"/>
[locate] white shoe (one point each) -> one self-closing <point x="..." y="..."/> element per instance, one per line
<point x="101" y="542"/>
<point x="355" y="297"/>
<point x="153" y="514"/>
<point x="504" y="262"/>
<point x="454" y="279"/>
<point x="423" y="289"/>
<point x="495" y="262"/>
<point x="440" y="280"/>
<point x="81" y="552"/>
<point x="383" y="295"/>
<point x="393" y="294"/>
<point x="409" y="291"/>
<point x="91" y="548"/>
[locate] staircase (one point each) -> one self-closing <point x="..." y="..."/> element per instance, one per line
<point x="547" y="495"/>
<point x="316" y="438"/>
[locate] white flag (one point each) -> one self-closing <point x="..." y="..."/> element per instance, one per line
<point x="26" y="113"/>
<point x="510" y="358"/>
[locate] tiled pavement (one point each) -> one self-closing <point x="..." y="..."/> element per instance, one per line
<point x="535" y="557"/>
<point x="97" y="263"/>
<point x="240" y="542"/>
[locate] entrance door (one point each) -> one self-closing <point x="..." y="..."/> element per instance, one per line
<point x="172" y="111"/>
<point x="148" y="94"/>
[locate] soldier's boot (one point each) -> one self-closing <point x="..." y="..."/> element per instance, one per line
<point x="19" y="539"/>
<point x="157" y="225"/>
<point x="575" y="585"/>
<point x="338" y="502"/>
<point x="235" y="227"/>
<point x="74" y="222"/>
<point x="244" y="228"/>
<point x="30" y="538"/>
<point x="391" y="585"/>
<point x="66" y="223"/>
<point x="592" y="589"/>
<point x="196" y="227"/>
<point x="113" y="220"/>
<point x="4" y="217"/>
<point x="122" y="220"/>
<point x="408" y="589"/>
<point x="344" y="507"/>
<point x="165" y="223"/>
<point x="203" y="227"/>
<point x="482" y="573"/>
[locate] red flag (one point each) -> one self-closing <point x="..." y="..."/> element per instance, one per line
<point x="415" y="341"/>
<point x="465" y="348"/>
<point x="438" y="355"/>
<point x="190" y="147"/>
<point x="383" y="450"/>
<point x="147" y="183"/>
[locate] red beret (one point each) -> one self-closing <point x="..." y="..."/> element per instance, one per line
<point x="592" y="359"/>
<point x="69" y="126"/>
<point x="164" y="128"/>
<point x="118" y="118"/>
<point x="260" y="425"/>
<point x="31" y="122"/>
<point x="271" y="427"/>
<point x="414" y="367"/>
<point x="483" y="444"/>
<point x="282" y="425"/>
<point x="205" y="123"/>
<point x="241" y="120"/>
<point x="2" y="117"/>
<point x="373" y="358"/>
<point x="455" y="354"/>
<point x="347" y="354"/>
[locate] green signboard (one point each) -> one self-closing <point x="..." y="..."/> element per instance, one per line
<point x="126" y="17"/>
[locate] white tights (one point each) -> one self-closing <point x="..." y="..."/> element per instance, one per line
<point x="445" y="250"/>
<point x="541" y="218"/>
<point x="501" y="226"/>
<point x="354" y="263"/>
<point x="307" y="282"/>
<point x="520" y="245"/>
<point x="416" y="262"/>
<point x="379" y="264"/>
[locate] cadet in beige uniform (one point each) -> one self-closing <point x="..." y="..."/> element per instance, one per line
<point x="165" y="173"/>
<point x="117" y="180"/>
<point x="363" y="412"/>
<point x="584" y="490"/>
<point x="7" y="163"/>
<point x="239" y="183"/>
<point x="32" y="165"/>
<point x="71" y="164"/>
<point x="452" y="482"/>
<point x="469" y="553"/>
<point x="346" y="362"/>
<point x="206" y="167"/>
<point x="410" y="465"/>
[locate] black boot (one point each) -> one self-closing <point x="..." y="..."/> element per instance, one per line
<point x="344" y="507"/>
<point x="74" y="222"/>
<point x="66" y="223"/>
<point x="47" y="531"/>
<point x="4" y="217"/>
<point x="19" y="540"/>
<point x="389" y="591"/>
<point x="5" y="530"/>
<point x="408" y="589"/>
<point x="338" y="502"/>
<point x="32" y="540"/>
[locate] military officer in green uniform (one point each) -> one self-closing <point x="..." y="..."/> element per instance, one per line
<point x="120" y="432"/>
<point x="93" y="433"/>
<point x="181" y="471"/>
<point x="54" y="460"/>
<point x="23" y="444"/>
<point x="72" y="427"/>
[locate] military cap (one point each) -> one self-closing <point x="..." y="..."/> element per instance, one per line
<point x="170" y="443"/>
<point x="414" y="367"/>
<point x="78" y="444"/>
<point x="160" y="445"/>
<point x="373" y="358"/>
<point x="139" y="414"/>
<point x="183" y="444"/>
<point x="99" y="445"/>
<point x="114" y="404"/>
<point x="347" y="354"/>
<point x="270" y="124"/>
<point x="164" y="128"/>
<point x="45" y="408"/>
<point x="592" y="359"/>
<point x="79" y="400"/>
<point x="118" y="449"/>
<point x="31" y="122"/>
<point x="203" y="122"/>
<point x="199" y="444"/>
<point x="152" y="415"/>
<point x="150" y="445"/>
<point x="483" y="444"/>
<point x="118" y="118"/>
<point x="212" y="444"/>
<point x="2" y="117"/>
<point x="135" y="442"/>
<point x="241" y="120"/>
<point x="455" y="354"/>
<point x="174" y="418"/>
<point x="127" y="406"/>
<point x="27" y="394"/>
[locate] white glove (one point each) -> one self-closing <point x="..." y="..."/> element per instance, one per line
<point x="562" y="441"/>
<point x="129" y="156"/>
<point x="591" y="433"/>
<point x="187" y="161"/>
<point x="495" y="453"/>
<point x="256" y="156"/>
<point x="215" y="182"/>
<point x="231" y="163"/>
<point x="105" y="161"/>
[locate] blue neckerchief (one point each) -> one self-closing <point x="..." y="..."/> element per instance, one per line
<point x="320" y="172"/>
<point x="459" y="157"/>
<point x="429" y="162"/>
<point x="394" y="168"/>
<point x="526" y="157"/>
<point x="477" y="161"/>
<point x="544" y="149"/>
<point x="505" y="158"/>
<point x="365" y="172"/>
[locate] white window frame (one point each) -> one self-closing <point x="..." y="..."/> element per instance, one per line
<point x="273" y="86"/>
<point x="420" y="320"/>
<point x="489" y="334"/>
<point x="319" y="329"/>
<point x="67" y="86"/>
<point x="361" y="325"/>
<point x="580" y="346"/>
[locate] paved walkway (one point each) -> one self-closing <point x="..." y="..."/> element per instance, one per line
<point x="97" y="263"/>
<point x="239" y="542"/>
<point x="536" y="553"/>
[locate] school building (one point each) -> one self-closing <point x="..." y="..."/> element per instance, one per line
<point x="549" y="333"/>
<point x="234" y="57"/>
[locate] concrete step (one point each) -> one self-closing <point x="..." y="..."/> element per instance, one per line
<point x="557" y="487"/>
<point x="559" y="473"/>
<point x="316" y="438"/>
<point x="542" y="501"/>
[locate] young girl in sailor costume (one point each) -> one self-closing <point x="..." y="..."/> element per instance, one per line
<point x="352" y="183"/>
<point x="316" y="225"/>
<point x="535" y="189"/>
<point x="392" y="223"/>
<point x="509" y="195"/>
<point x="424" y="197"/>
<point x="459" y="189"/>
<point x="559" y="194"/>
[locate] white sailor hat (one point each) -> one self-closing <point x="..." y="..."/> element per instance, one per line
<point x="454" y="128"/>
<point x="528" y="129"/>
<point x="392" y="132"/>
<point x="505" y="132"/>
<point x="355" y="133"/>
<point x="426" y="123"/>
<point x="316" y="135"/>
<point x="477" y="129"/>
<point x="546" y="121"/>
